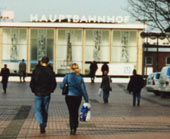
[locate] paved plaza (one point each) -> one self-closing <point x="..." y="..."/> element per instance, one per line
<point x="116" y="120"/>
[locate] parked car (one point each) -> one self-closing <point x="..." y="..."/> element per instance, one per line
<point x="152" y="83"/>
<point x="164" y="81"/>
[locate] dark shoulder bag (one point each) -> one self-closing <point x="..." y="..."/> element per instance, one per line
<point x="65" y="88"/>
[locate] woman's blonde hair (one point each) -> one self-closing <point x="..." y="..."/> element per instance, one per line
<point x="75" y="68"/>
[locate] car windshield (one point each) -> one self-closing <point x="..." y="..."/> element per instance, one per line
<point x="168" y="72"/>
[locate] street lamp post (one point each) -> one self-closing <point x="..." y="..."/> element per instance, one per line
<point x="144" y="35"/>
<point x="157" y="36"/>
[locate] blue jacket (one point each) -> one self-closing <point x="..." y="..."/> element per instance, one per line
<point x="76" y="86"/>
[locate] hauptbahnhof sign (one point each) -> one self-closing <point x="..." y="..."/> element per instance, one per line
<point x="79" y="19"/>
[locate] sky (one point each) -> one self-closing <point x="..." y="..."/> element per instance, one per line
<point x="24" y="8"/>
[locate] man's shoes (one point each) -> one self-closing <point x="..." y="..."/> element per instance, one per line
<point x="42" y="128"/>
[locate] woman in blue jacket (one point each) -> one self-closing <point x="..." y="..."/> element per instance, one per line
<point x="76" y="89"/>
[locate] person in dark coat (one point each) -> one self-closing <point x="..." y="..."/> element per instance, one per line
<point x="93" y="69"/>
<point x="42" y="84"/>
<point x="22" y="71"/>
<point x="5" y="74"/>
<point x="105" y="67"/>
<point x="105" y="86"/>
<point x="135" y="85"/>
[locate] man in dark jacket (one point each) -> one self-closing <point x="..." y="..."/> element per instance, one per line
<point x="22" y="70"/>
<point x="135" y="85"/>
<point x="5" y="74"/>
<point x="42" y="84"/>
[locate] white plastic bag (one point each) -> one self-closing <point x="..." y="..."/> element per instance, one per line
<point x="85" y="113"/>
<point x="100" y="92"/>
<point x="88" y="117"/>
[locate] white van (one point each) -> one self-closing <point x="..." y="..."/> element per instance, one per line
<point x="152" y="83"/>
<point x="164" y="80"/>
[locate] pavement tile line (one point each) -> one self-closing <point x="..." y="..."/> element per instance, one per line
<point x="116" y="120"/>
<point x="12" y="130"/>
<point x="98" y="127"/>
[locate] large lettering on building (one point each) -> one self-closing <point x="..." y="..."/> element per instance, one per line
<point x="79" y="19"/>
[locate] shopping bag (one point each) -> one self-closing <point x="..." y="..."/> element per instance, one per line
<point x="88" y="117"/>
<point x="100" y="92"/>
<point x="85" y="113"/>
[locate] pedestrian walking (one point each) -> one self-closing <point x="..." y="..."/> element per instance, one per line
<point x="135" y="85"/>
<point x="76" y="89"/>
<point x="5" y="72"/>
<point x="104" y="68"/>
<point x="22" y="71"/>
<point x="93" y="68"/>
<point x="105" y="86"/>
<point x="42" y="84"/>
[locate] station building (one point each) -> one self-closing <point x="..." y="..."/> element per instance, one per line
<point x="120" y="45"/>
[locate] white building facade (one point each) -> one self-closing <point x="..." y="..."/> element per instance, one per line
<point x="64" y="43"/>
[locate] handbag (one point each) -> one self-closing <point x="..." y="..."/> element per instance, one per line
<point x="65" y="89"/>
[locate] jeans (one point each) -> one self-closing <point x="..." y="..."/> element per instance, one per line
<point x="136" y="95"/>
<point x="41" y="109"/>
<point x="73" y="104"/>
<point x="4" y="84"/>
<point x="105" y="96"/>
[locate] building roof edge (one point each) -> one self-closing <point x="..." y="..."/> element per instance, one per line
<point x="71" y="25"/>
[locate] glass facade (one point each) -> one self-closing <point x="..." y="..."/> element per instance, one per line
<point x="97" y="45"/>
<point x="42" y="44"/>
<point x="14" y="47"/>
<point x="69" y="49"/>
<point x="124" y="47"/>
<point x="67" y="45"/>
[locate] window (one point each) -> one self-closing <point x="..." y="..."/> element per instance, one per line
<point x="69" y="49"/>
<point x="42" y="43"/>
<point x="97" y="46"/>
<point x="149" y="60"/>
<point x="124" y="46"/>
<point x="168" y="60"/>
<point x="157" y="75"/>
<point x="14" y="44"/>
<point x="168" y="72"/>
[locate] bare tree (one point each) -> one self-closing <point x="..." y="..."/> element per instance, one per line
<point x="155" y="13"/>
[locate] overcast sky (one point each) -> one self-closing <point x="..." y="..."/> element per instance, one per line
<point x="24" y="8"/>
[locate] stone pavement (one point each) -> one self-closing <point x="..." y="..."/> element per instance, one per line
<point x="116" y="120"/>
